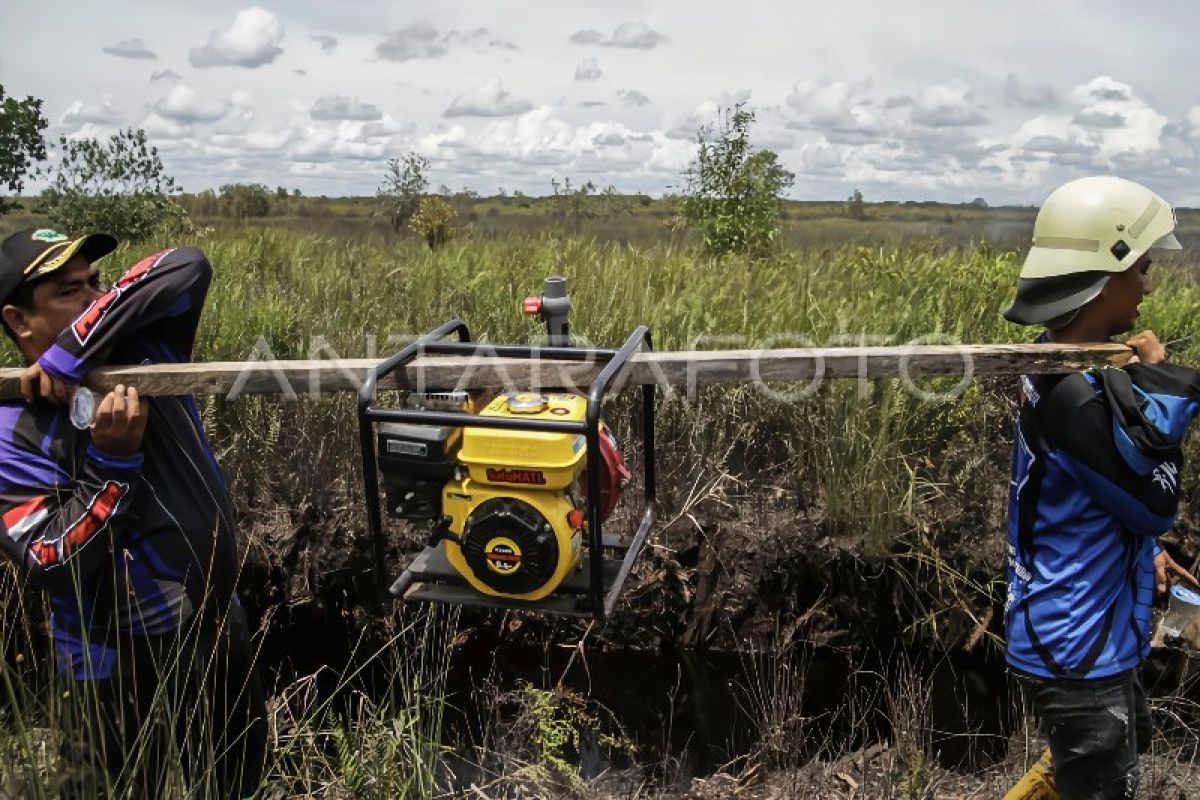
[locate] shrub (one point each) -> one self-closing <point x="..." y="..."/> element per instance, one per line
<point x="243" y="200"/>
<point x="856" y="208"/>
<point x="403" y="186"/>
<point x="732" y="190"/>
<point x="118" y="186"/>
<point x="21" y="142"/>
<point x="434" y="220"/>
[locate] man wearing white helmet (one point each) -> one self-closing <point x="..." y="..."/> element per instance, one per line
<point x="1095" y="480"/>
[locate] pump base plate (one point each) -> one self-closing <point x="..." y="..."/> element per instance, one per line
<point x="431" y="579"/>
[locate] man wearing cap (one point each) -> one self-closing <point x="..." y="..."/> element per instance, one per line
<point x="126" y="522"/>
<point x="1095" y="480"/>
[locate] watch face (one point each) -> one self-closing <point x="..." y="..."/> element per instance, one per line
<point x="83" y="408"/>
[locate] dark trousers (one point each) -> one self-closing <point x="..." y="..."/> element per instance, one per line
<point x="1096" y="730"/>
<point x="182" y="709"/>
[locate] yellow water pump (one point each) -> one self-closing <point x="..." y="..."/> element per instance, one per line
<point x="510" y="503"/>
<point x="517" y="491"/>
<point x="518" y="512"/>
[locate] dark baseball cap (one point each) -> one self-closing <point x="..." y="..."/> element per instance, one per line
<point x="33" y="253"/>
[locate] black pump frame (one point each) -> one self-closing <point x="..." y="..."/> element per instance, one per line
<point x="600" y="598"/>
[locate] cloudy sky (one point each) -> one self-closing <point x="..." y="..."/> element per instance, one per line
<point x="936" y="99"/>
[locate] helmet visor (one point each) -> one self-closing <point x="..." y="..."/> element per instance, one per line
<point x="1168" y="242"/>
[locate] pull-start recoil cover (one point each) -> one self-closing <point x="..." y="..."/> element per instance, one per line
<point x="510" y="546"/>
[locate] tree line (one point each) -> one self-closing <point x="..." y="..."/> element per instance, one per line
<point x="731" y="192"/>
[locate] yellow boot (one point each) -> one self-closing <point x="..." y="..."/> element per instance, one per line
<point x="1037" y="783"/>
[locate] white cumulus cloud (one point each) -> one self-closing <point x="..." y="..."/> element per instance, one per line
<point x="479" y="38"/>
<point x="637" y="35"/>
<point x="327" y="42"/>
<point x="1124" y="123"/>
<point x="419" y="40"/>
<point x="1110" y="128"/>
<point x="129" y="48"/>
<point x="632" y="97"/>
<point x="633" y="35"/>
<point x="836" y="104"/>
<point x="165" y="76"/>
<point x="588" y="70"/>
<point x="947" y="104"/>
<point x="588" y="36"/>
<point x="538" y="139"/>
<point x="341" y="107"/>
<point x="1037" y="96"/>
<point x="81" y="113"/>
<point x="184" y="105"/>
<point x="1102" y="89"/>
<point x="422" y="40"/>
<point x="251" y="41"/>
<point x="489" y="100"/>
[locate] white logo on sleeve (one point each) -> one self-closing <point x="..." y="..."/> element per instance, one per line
<point x="1166" y="476"/>
<point x="1030" y="392"/>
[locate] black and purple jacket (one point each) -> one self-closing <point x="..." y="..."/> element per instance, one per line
<point x="130" y="546"/>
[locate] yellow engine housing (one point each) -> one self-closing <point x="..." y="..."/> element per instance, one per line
<point x="529" y="459"/>
<point x="507" y="468"/>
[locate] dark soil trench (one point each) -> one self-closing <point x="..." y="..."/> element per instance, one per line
<point x="702" y="709"/>
<point x="769" y="688"/>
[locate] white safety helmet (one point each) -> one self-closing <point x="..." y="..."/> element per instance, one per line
<point x="1086" y="231"/>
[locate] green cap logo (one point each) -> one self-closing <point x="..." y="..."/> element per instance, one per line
<point x="47" y="235"/>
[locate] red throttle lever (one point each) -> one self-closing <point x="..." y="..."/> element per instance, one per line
<point x="532" y="306"/>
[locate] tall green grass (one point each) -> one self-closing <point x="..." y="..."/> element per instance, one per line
<point x="861" y="453"/>
<point x="376" y="733"/>
<point x="859" y="450"/>
<point x="873" y="466"/>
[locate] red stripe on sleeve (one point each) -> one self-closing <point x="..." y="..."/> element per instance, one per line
<point x="14" y="516"/>
<point x="92" y="521"/>
<point x="95" y="518"/>
<point x="45" y="553"/>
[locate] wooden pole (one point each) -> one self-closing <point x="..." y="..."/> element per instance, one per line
<point x="675" y="369"/>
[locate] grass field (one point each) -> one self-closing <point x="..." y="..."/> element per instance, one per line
<point x="872" y="484"/>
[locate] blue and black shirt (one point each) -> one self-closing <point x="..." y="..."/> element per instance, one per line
<point x="130" y="546"/>
<point x="1095" y="479"/>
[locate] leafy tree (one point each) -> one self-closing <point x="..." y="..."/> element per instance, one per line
<point x="118" y="186"/>
<point x="732" y="190"/>
<point x="435" y="220"/>
<point x="244" y="200"/>
<point x="21" y="142"/>
<point x="856" y="208"/>
<point x="404" y="184"/>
